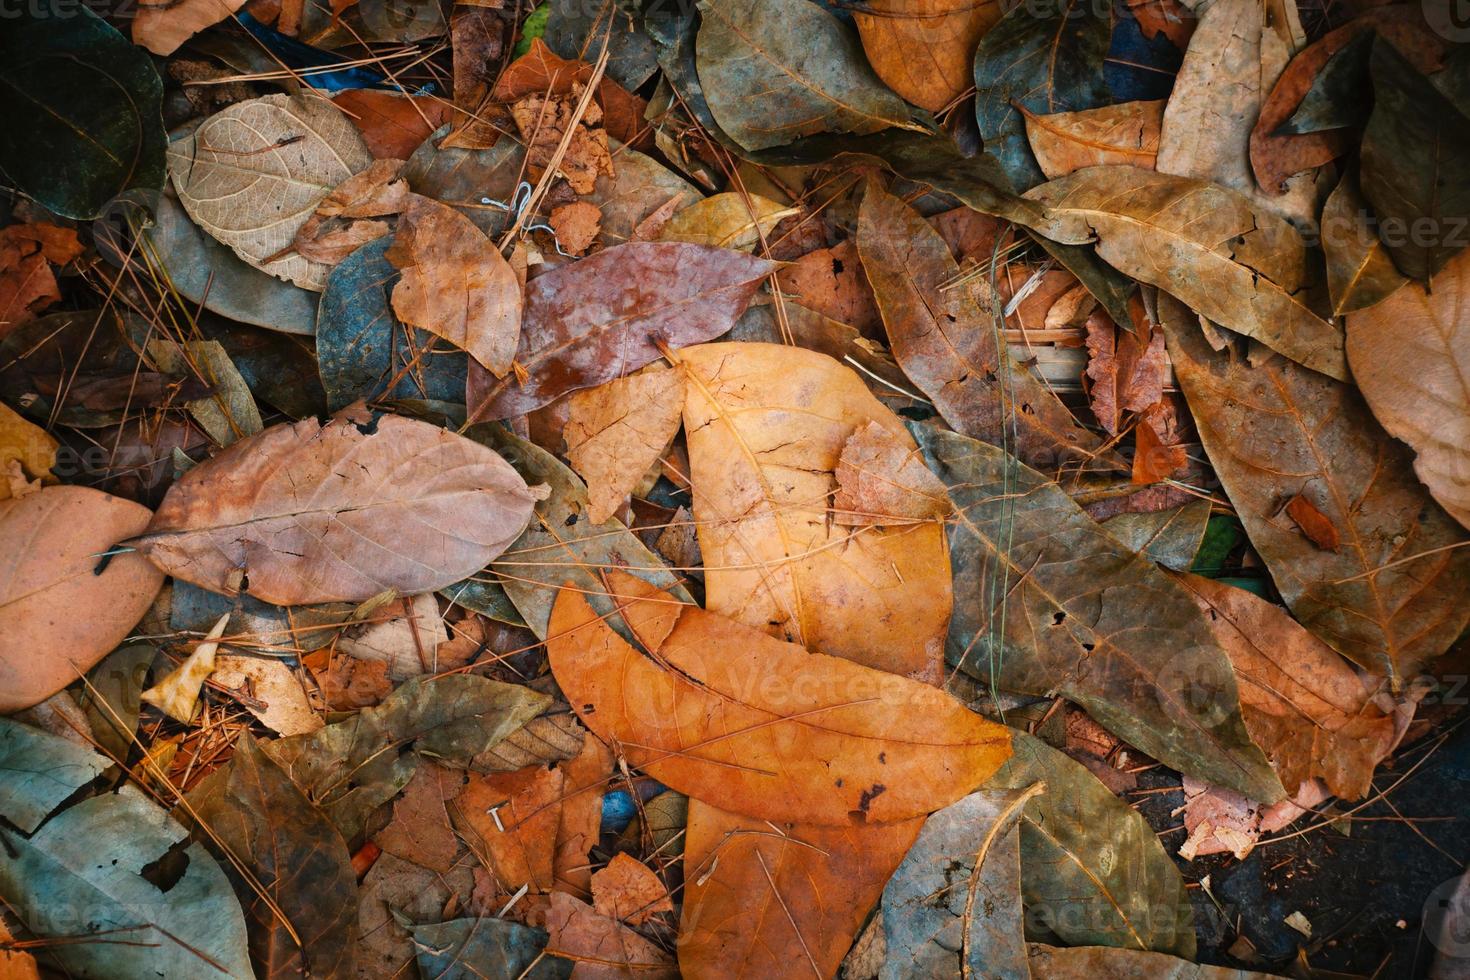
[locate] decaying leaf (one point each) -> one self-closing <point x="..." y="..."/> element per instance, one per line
<point x="274" y="692"/>
<point x="455" y="283"/>
<point x="729" y="220"/>
<point x="602" y="948"/>
<point x="776" y="70"/>
<point x="585" y="776"/>
<point x="62" y="606"/>
<point x="1360" y="271"/>
<point x="27" y="283"/>
<point x="616" y="431"/>
<point x="773" y="899"/>
<point x="1107" y="963"/>
<point x="628" y="891"/>
<point x="462" y="949"/>
<point x="1168" y="537"/>
<point x="882" y="480"/>
<point x="1125" y="134"/>
<point x="177" y="695"/>
<point x="161" y="28"/>
<point x="541" y="70"/>
<point x="922" y="48"/>
<point x="701" y="720"/>
<point x="948" y="343"/>
<point x="766" y="425"/>
<point x="1302" y="703"/>
<point x="311" y="513"/>
<point x="1410" y="356"/>
<point x="510" y="820"/>
<point x="343" y="221"/>
<point x="421" y="829"/>
<point x="544" y="122"/>
<point x="404" y="636"/>
<point x="1127" y="372"/>
<point x="1392" y="596"/>
<point x="601" y="318"/>
<point x="27" y="453"/>
<point x="1050" y="603"/>
<point x="229" y="412"/>
<point x="1205" y="244"/>
<point x="252" y="175"/>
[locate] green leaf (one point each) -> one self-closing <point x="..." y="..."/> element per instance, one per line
<point x="1415" y="153"/>
<point x="295" y="854"/>
<point x="115" y="867"/>
<point x="532" y="27"/>
<point x="562" y="544"/>
<point x="1047" y="602"/>
<point x="353" y="767"/>
<point x="1222" y="534"/>
<point x="1048" y="61"/>
<point x="1092" y="871"/>
<point x="81" y="106"/>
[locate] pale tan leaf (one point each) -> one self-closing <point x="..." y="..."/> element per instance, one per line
<point x="26" y="445"/>
<point x="177" y="695"/>
<point x="729" y="220"/>
<point x="616" y="431"/>
<point x="252" y="175"/>
<point x="405" y="636"/>
<point x="162" y="27"/>
<point x="1126" y="133"/>
<point x="271" y="682"/>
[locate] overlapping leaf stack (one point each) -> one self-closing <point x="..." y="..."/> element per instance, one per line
<point x="726" y="489"/>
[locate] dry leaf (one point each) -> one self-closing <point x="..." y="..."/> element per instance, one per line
<point x="26" y="447"/>
<point x="420" y="830"/>
<point x="1126" y="133"/>
<point x="543" y="121"/>
<point x="602" y="948"/>
<point x="455" y="283"/>
<point x="162" y="27"/>
<point x="510" y="820"/>
<point x="1317" y="526"/>
<point x="831" y="282"/>
<point x="1205" y="244"/>
<point x="62" y="607"/>
<point x="729" y="715"/>
<point x="947" y="342"/>
<point x="1221" y="821"/>
<point x="404" y="636"/>
<point x="541" y="70"/>
<point x="1302" y="703"/>
<point x="1411" y="358"/>
<point x="253" y="174"/>
<point x="348" y="684"/>
<point x="616" y="431"/>
<point x="627" y="891"/>
<point x="310" y="513"/>
<point x="1393" y="596"/>
<point x="177" y="695"/>
<point x="584" y="777"/>
<point x="775" y="900"/>
<point x="576" y="226"/>
<point x="924" y="49"/>
<point x="27" y="284"/>
<point x="599" y="319"/>
<point x="375" y="192"/>
<point x="1127" y="373"/>
<point x="729" y="220"/>
<point x="1158" y="451"/>
<point x="1360" y="272"/>
<point x="275" y="685"/>
<point x="392" y="124"/>
<point x="766" y="425"/>
<point x="882" y="480"/>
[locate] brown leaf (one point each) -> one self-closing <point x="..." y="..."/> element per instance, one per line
<point x="1411" y="358"/>
<point x="1127" y="373"/>
<point x="420" y="830"/>
<point x="374" y="192"/>
<point x="348" y="683"/>
<point x="602" y="948"/>
<point x="27" y="284"/>
<point x="830" y="281"/>
<point x="543" y="121"/>
<point x="729" y="715"/>
<point x="1241" y="267"/>
<point x="925" y="49"/>
<point x="541" y="70"/>
<point x="766" y="425"/>
<point x="576" y="226"/>
<point x="616" y="431"/>
<point x="543" y="739"/>
<point x="405" y="636"/>
<point x="455" y="283"/>
<point x="1392" y="597"/>
<point x="26" y="447"/>
<point x="510" y="820"/>
<point x="729" y="220"/>
<point x="1302" y="703"/>
<point x="1360" y="271"/>
<point x="1126" y="133"/>
<point x="786" y="899"/>
<point x="882" y="480"/>
<point x="1221" y="821"/>
<point x="477" y="38"/>
<point x="584" y="777"/>
<point x="1317" y="526"/>
<point x="1113" y="963"/>
<point x="947" y="344"/>
<point x="392" y="124"/>
<point x="627" y="891"/>
<point x="1158" y="452"/>
<point x="309" y="513"/>
<point x="599" y="319"/>
<point x="162" y="27"/>
<point x="274" y="692"/>
<point x="1275" y="158"/>
<point x="62" y="608"/>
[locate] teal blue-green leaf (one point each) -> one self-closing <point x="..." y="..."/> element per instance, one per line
<point x="1092" y="871"/>
<point x="81" y="109"/>
<point x="576" y="29"/>
<point x="115" y="867"/>
<point x="364" y="351"/>
<point x="472" y="949"/>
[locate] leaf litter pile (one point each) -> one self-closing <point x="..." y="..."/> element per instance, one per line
<point x="755" y="488"/>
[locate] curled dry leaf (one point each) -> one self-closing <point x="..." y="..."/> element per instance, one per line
<point x="882" y="480"/>
<point x="309" y="513"/>
<point x="1233" y="263"/>
<point x="923" y="49"/>
<point x="455" y="283"/>
<point x="1126" y="134"/>
<point x="177" y="695"/>
<point x="1311" y="712"/>
<point x="628" y="891"/>
<point x="776" y="70"/>
<point x="779" y="899"/>
<point x="375" y="192"/>
<point x="252" y="175"/>
<point x="541" y="70"/>
<point x="766" y="425"/>
<point x="1394" y="594"/>
<point x="949" y="345"/>
<point x="616" y="431"/>
<point x="1411" y="358"/>
<point x="1221" y="821"/>
<point x="27" y="284"/>
<point x="62" y="607"/>
<point x="741" y="720"/>
<point x="602" y="948"/>
<point x="543" y="122"/>
<point x="603" y="317"/>
<point x="274" y="692"/>
<point x="405" y="636"/>
<point x="1127" y="372"/>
